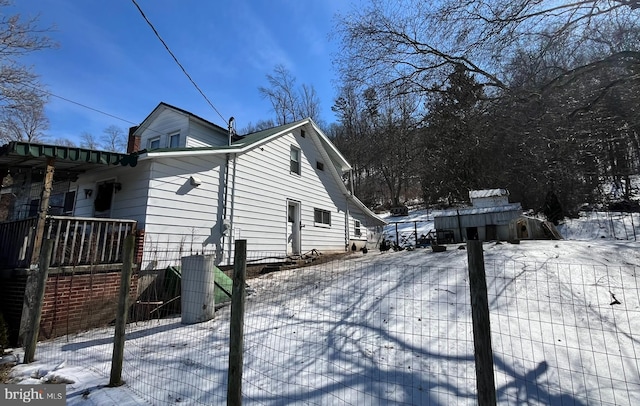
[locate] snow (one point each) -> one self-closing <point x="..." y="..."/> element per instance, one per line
<point x="393" y="328"/>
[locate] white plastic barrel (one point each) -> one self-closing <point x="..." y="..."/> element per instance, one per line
<point x="198" y="288"/>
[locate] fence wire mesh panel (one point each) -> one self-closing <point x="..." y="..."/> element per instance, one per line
<point x="359" y="333"/>
<point x="361" y="329"/>
<point x="565" y="334"/>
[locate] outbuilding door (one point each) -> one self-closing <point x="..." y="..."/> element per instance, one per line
<point x="293" y="227"/>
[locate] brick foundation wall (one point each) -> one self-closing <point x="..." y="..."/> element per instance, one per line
<point x="11" y="300"/>
<point x="79" y="302"/>
<point x="139" y="246"/>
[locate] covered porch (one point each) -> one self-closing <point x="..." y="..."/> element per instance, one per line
<point x="37" y="203"/>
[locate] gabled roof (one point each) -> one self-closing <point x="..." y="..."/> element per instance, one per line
<point x="251" y="141"/>
<point x="162" y="106"/>
<point x="254" y="140"/>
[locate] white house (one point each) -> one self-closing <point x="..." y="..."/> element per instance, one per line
<point x="196" y="189"/>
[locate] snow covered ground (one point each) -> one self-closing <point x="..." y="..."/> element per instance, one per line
<point x="393" y="328"/>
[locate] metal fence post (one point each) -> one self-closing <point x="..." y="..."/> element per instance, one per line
<point x="236" y="344"/>
<point x="481" y="329"/>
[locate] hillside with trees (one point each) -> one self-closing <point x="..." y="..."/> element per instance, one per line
<point x="538" y="97"/>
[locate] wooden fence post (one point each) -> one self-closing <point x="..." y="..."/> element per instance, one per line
<point x="481" y="329"/>
<point x="236" y="343"/>
<point x="37" y="301"/>
<point x="117" y="358"/>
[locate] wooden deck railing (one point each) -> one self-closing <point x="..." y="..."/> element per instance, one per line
<point x="76" y="241"/>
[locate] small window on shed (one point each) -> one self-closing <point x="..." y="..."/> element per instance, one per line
<point x="320" y="165"/>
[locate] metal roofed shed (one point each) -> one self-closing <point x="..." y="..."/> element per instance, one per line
<point x="488" y="218"/>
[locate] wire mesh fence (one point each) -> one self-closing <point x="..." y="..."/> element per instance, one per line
<point x="389" y="328"/>
<point x="565" y="333"/>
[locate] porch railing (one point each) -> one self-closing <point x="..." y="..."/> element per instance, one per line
<point x="76" y="240"/>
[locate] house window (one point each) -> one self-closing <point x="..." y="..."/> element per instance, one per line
<point x="295" y="160"/>
<point x="320" y="165"/>
<point x="322" y="217"/>
<point x="356" y="228"/>
<point x="174" y="140"/>
<point x="154" y="143"/>
<point x="302" y="133"/>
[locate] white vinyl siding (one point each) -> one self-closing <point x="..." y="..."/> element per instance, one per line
<point x="128" y="203"/>
<point x="183" y="219"/>
<point x="200" y="135"/>
<point x="262" y="186"/>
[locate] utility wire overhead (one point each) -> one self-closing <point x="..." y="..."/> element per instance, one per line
<point x="177" y="61"/>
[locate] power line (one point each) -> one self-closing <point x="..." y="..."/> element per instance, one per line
<point x="176" y="60"/>
<point x="85" y="106"/>
<point x="94" y="109"/>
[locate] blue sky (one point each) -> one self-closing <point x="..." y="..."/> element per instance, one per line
<point x="108" y="58"/>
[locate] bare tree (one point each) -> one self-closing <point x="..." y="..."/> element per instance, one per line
<point x="24" y="122"/>
<point x="258" y="126"/>
<point x="65" y="142"/>
<point x="114" y="139"/>
<point x="415" y="44"/>
<point x="89" y="141"/>
<point x="556" y="85"/>
<point x="288" y="102"/>
<point x="21" y="98"/>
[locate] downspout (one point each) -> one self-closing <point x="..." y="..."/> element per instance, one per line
<point x="459" y="226"/>
<point x="346" y="226"/>
<point x="233" y="199"/>
<point x="347" y="231"/>
<point x="225" y="227"/>
<point x="224" y="230"/>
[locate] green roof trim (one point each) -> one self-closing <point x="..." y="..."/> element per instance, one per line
<point x="67" y="154"/>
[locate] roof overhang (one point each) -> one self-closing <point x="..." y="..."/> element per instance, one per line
<point x="17" y="155"/>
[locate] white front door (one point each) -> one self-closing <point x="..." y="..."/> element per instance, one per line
<point x="293" y="228"/>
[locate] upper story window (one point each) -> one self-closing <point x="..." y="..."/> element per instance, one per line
<point x="295" y="160"/>
<point x="320" y="165"/>
<point x="174" y="140"/>
<point x="154" y="143"/>
<point x="302" y="133"/>
<point x="321" y="217"/>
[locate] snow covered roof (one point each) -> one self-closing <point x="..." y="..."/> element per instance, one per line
<point x="475" y="194"/>
<point x="481" y="210"/>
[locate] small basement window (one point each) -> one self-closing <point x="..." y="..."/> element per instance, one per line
<point x="321" y="217"/>
<point x="295" y="160"/>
